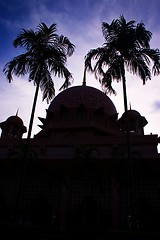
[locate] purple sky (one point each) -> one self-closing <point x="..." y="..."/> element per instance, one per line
<point x="80" y="21"/>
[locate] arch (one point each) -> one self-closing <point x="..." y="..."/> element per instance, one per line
<point x="64" y="113"/>
<point x="98" y="115"/>
<point x="81" y="113"/>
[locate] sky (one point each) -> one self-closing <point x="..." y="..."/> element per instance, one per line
<point x="81" y="22"/>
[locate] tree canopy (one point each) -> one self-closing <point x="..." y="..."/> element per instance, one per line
<point x="45" y="53"/>
<point x="126" y="48"/>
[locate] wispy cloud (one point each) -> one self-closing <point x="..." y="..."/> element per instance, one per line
<point x="156" y="105"/>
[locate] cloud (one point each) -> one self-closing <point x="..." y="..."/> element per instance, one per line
<point x="156" y="105"/>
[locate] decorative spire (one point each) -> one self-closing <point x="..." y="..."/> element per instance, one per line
<point x="17" y="112"/>
<point x="130" y="106"/>
<point x="84" y="77"/>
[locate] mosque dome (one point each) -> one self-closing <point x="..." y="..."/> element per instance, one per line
<point x="90" y="97"/>
<point x="80" y="107"/>
<point x="132" y="113"/>
<point x="13" y="127"/>
<point x="15" y="120"/>
<point x="135" y="120"/>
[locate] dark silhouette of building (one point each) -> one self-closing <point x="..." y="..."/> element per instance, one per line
<point x="76" y="177"/>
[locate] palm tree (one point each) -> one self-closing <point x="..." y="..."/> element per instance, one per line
<point x="126" y="48"/>
<point x="45" y="53"/>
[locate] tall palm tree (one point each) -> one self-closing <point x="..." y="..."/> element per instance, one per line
<point x="126" y="48"/>
<point x="45" y="54"/>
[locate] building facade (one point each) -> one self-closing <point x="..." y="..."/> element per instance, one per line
<point x="77" y="175"/>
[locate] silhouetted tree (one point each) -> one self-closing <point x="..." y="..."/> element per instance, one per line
<point x="126" y="48"/>
<point x="45" y="53"/>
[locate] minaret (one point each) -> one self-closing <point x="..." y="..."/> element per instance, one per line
<point x="13" y="127"/>
<point x="136" y="122"/>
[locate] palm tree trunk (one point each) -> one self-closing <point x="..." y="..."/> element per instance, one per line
<point x="131" y="202"/>
<point x="23" y="173"/>
<point x="31" y="119"/>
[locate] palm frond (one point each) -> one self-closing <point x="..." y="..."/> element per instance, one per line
<point x="27" y="39"/>
<point x="93" y="54"/>
<point x="65" y="45"/>
<point x="45" y="52"/>
<point x="139" y="67"/>
<point x="18" y="66"/>
<point x="68" y="78"/>
<point x="126" y="45"/>
<point x="154" y="55"/>
<point x="47" y="85"/>
<point x="47" y="35"/>
<point x="106" y="83"/>
<point x="143" y="36"/>
<point x="43" y="28"/>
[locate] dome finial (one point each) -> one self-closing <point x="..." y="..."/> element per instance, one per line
<point x="17" y="112"/>
<point x="84" y="77"/>
<point x="130" y="106"/>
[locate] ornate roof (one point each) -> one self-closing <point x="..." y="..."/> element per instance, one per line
<point x="14" y="120"/>
<point x="13" y="127"/>
<point x="90" y="97"/>
<point x="132" y="113"/>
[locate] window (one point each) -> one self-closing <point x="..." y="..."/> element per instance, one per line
<point x="81" y="113"/>
<point x="64" y="113"/>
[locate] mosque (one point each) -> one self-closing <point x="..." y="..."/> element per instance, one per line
<point x="76" y="176"/>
